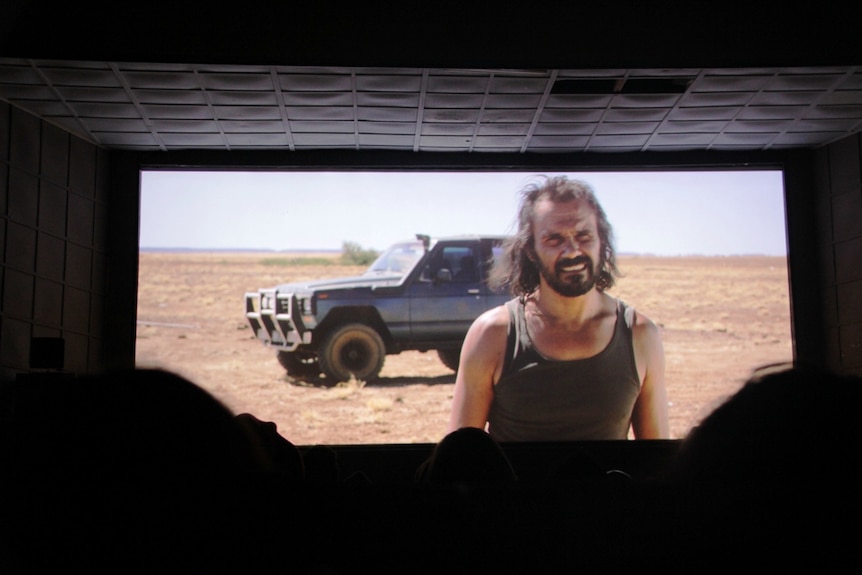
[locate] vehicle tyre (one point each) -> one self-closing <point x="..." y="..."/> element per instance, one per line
<point x="353" y="349"/>
<point x="300" y="363"/>
<point x="450" y="357"/>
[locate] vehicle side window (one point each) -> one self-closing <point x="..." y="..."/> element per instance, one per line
<point x="459" y="260"/>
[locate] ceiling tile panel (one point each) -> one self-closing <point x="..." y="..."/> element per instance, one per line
<point x="108" y="110"/>
<point x="21" y="93"/>
<point x="388" y="83"/>
<point x="384" y="140"/>
<point x="686" y="140"/>
<point x="312" y="83"/>
<point x="515" y="101"/>
<point x="318" y="98"/>
<point x="454" y="100"/>
<point x="504" y="129"/>
<point x="559" y="142"/>
<point x="138" y="139"/>
<point x="14" y="72"/>
<point x="561" y="129"/>
<point x="82" y="77"/>
<point x="569" y="101"/>
<point x="731" y="83"/>
<point x="644" y="101"/>
<point x="459" y="116"/>
<point x="386" y="114"/>
<point x="842" y="98"/>
<point x="499" y="141"/>
<point x="161" y="80"/>
<point x="76" y="94"/>
<point x="785" y="98"/>
<point x="46" y="108"/>
<point x="185" y="126"/>
<point x="762" y="138"/>
<point x="825" y="125"/>
<point x="635" y="115"/>
<point x="178" y="112"/>
<point x="570" y="115"/>
<point x="117" y="125"/>
<point x="449" y="142"/>
<point x="241" y="98"/>
<point x="171" y="97"/>
<point x="627" y="141"/>
<point x="504" y="85"/>
<point x="755" y="126"/>
<point x="691" y="127"/>
<point x="406" y="128"/>
<point x="705" y="113"/>
<point x="319" y="113"/>
<point x="626" y="128"/>
<point x="245" y="82"/>
<point x="507" y="116"/>
<point x="457" y="84"/>
<point x="322" y="126"/>
<point x="851" y="113"/>
<point x="192" y="140"/>
<point x="803" y="82"/>
<point x="770" y="112"/>
<point x="399" y="100"/>
<point x="246" y="113"/>
<point x="258" y="140"/>
<point x="709" y="99"/>
<point x="448" y="129"/>
<point x="312" y="140"/>
<point x="797" y="139"/>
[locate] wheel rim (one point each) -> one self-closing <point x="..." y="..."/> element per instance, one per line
<point x="354" y="356"/>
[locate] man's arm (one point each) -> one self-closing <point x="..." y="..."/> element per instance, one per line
<point x="480" y="366"/>
<point x="650" y="415"/>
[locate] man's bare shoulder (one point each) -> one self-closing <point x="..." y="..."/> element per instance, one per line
<point x="492" y="324"/>
<point x="644" y="325"/>
<point x="495" y="316"/>
<point x="647" y="336"/>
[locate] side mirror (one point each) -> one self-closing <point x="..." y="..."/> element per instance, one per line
<point x="444" y="275"/>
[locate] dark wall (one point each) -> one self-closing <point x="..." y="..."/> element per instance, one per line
<point x="53" y="242"/>
<point x="838" y="209"/>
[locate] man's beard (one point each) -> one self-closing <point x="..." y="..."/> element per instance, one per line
<point x="577" y="284"/>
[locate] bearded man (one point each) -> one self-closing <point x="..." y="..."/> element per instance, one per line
<point x="563" y="360"/>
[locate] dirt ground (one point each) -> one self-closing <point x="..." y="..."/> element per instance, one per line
<point x="720" y="317"/>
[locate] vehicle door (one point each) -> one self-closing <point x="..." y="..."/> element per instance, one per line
<point x="448" y="294"/>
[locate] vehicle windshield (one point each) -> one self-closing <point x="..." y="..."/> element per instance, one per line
<point x="398" y="259"/>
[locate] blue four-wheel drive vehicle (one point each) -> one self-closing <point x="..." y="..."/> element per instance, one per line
<point x="421" y="294"/>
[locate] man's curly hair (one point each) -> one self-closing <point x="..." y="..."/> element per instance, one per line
<point x="515" y="267"/>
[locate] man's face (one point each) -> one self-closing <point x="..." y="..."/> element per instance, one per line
<point x="567" y="246"/>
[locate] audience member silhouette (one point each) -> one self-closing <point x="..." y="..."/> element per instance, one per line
<point x="787" y="426"/>
<point x="136" y="468"/>
<point x="321" y="465"/>
<point x="580" y="467"/>
<point x="277" y="453"/>
<point x="467" y="456"/>
<point x="768" y="477"/>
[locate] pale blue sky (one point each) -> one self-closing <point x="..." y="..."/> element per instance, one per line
<point x="661" y="213"/>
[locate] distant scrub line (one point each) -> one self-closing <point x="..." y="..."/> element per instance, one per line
<point x="299" y="261"/>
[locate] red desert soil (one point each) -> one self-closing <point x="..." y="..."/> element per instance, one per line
<point x="720" y="317"/>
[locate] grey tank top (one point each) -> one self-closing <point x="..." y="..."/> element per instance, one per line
<point x="540" y="399"/>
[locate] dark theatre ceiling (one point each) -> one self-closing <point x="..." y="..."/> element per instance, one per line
<point x="432" y="81"/>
